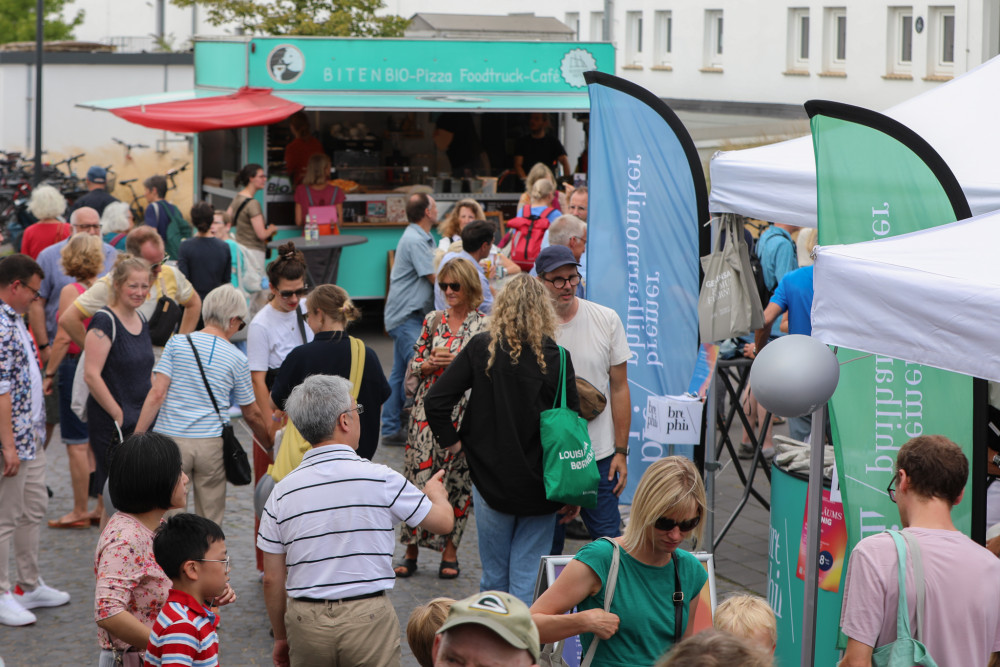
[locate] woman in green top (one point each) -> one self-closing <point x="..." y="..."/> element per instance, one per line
<point x="668" y="506"/>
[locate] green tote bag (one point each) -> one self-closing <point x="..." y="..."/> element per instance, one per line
<point x="906" y="651"/>
<point x="571" y="475"/>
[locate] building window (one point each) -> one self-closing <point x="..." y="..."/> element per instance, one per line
<point x="713" y="39"/>
<point x="663" y="36"/>
<point x="596" y="26"/>
<point x="835" y="40"/>
<point x="941" y="41"/>
<point x="573" y="21"/>
<point x="798" y="40"/>
<point x="633" y="37"/>
<point x="900" y="41"/>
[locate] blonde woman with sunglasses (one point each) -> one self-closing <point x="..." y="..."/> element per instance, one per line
<point x="668" y="508"/>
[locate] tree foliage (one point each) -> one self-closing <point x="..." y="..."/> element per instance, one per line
<point x="17" y="21"/>
<point x="335" y="18"/>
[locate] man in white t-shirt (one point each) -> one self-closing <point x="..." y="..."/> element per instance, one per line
<point x="961" y="615"/>
<point x="595" y="339"/>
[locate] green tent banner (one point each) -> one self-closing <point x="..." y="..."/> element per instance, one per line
<point x="876" y="178"/>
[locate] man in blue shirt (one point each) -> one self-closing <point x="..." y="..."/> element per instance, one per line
<point x="776" y="251"/>
<point x="411" y="296"/>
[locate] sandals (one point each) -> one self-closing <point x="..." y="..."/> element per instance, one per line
<point x="448" y="565"/>
<point x="80" y="523"/>
<point x="409" y="566"/>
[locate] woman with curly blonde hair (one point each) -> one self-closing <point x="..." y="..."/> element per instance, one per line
<point x="512" y="370"/>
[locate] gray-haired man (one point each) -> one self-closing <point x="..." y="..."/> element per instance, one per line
<point x="327" y="533"/>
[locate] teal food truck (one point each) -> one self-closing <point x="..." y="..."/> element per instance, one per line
<point x="377" y="106"/>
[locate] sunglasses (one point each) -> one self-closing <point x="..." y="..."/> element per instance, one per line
<point x="666" y="525"/>
<point x="243" y="323"/>
<point x="158" y="265"/>
<point x="454" y="287"/>
<point x="289" y="293"/>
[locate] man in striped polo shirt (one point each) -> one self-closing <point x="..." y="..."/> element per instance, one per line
<point x="327" y="533"/>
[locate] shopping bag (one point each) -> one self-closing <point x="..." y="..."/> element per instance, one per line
<point x="570" y="468"/>
<point x="728" y="305"/>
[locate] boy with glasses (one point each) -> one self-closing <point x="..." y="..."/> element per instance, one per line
<point x="191" y="550"/>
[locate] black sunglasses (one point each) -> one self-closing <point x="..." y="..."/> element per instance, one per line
<point x="454" y="287"/>
<point x="666" y="525"/>
<point x="243" y="323"/>
<point x="289" y="293"/>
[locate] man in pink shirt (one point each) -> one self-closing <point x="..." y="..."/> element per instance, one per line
<point x="961" y="619"/>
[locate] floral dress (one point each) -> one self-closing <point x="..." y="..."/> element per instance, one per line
<point x="423" y="456"/>
<point x="128" y="577"/>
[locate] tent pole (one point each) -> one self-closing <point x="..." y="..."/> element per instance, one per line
<point x="815" y="507"/>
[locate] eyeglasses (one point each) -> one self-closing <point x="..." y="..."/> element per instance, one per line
<point x="360" y="408"/>
<point x="87" y="228"/>
<point x="454" y="287"/>
<point x="38" y="295"/>
<point x="158" y="265"/>
<point x="891" y="491"/>
<point x="209" y="560"/>
<point x="289" y="293"/>
<point x="559" y="283"/>
<point x="666" y="525"/>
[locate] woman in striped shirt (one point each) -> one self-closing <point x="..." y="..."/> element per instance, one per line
<point x="186" y="413"/>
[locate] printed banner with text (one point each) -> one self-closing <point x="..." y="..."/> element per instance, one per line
<point x="644" y="242"/>
<point x="875" y="179"/>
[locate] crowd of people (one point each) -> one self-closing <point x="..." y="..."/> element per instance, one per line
<point x="144" y="362"/>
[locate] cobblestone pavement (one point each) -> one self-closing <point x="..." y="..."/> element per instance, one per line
<point x="67" y="635"/>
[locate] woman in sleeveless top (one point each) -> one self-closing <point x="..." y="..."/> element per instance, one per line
<point x="118" y="365"/>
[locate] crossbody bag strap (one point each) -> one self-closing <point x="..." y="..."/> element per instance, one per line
<point x="609" y="595"/>
<point x="302" y="323"/>
<point x="678" y="599"/>
<point x="204" y="378"/>
<point x="918" y="580"/>
<point x="239" y="209"/>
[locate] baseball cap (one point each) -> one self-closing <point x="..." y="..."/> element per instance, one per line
<point x="97" y="174"/>
<point x="502" y="613"/>
<point x="553" y="257"/>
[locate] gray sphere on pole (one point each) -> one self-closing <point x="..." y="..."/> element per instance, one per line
<point x="794" y="375"/>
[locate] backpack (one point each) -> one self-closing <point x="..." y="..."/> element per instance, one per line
<point x="80" y="392"/>
<point x="758" y="273"/>
<point x="524" y="240"/>
<point x="178" y="229"/>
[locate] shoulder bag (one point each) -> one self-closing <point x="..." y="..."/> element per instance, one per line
<point x="234" y="458"/>
<point x="551" y="655"/>
<point x="728" y="304"/>
<point x="166" y="318"/>
<point x="570" y="468"/>
<point x="906" y="650"/>
<point x="78" y="399"/>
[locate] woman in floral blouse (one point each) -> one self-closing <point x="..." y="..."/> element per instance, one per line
<point x="443" y="335"/>
<point x="145" y="480"/>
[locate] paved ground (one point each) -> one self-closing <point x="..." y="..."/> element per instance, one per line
<point x="67" y="635"/>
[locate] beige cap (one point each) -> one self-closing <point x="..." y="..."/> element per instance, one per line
<point x="502" y="613"/>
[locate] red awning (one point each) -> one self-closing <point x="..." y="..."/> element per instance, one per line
<point x="244" y="108"/>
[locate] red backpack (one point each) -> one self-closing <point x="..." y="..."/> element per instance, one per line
<point x="523" y="241"/>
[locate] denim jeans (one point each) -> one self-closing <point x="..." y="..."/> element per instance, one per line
<point x="602" y="521"/>
<point x="510" y="548"/>
<point x="403" y="338"/>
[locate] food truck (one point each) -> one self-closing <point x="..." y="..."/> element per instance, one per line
<point x="376" y="106"/>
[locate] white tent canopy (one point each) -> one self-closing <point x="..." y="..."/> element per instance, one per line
<point x="958" y="118"/>
<point x="931" y="297"/>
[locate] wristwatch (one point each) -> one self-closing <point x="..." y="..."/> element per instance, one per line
<point x="996" y="460"/>
<point x="42" y="346"/>
<point x="621" y="450"/>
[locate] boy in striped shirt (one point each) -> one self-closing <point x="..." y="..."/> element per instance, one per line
<point x="192" y="552"/>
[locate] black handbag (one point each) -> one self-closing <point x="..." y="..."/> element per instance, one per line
<point x="234" y="458"/>
<point x="165" y="320"/>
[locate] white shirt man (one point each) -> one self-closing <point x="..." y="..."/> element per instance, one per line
<point x="596" y="341"/>
<point x="327" y="533"/>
